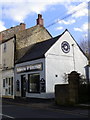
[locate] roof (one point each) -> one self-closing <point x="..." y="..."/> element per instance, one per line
<point x="38" y="50"/>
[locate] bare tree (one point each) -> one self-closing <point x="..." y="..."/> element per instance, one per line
<point x="85" y="46"/>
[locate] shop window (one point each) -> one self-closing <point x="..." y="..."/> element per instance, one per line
<point x="34" y="83"/>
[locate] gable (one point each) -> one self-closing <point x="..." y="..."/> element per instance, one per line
<point x="74" y="49"/>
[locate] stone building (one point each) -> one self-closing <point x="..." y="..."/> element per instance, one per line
<point x="14" y="43"/>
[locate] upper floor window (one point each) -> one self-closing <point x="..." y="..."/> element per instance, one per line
<point x="4" y="63"/>
<point x="4" y="47"/>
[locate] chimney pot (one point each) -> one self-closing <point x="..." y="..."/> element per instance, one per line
<point x="40" y="20"/>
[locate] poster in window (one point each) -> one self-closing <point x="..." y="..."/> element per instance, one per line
<point x="17" y="83"/>
<point x="42" y="85"/>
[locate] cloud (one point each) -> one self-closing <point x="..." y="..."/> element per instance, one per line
<point x="68" y="22"/>
<point x="18" y="10"/>
<point x="83" y="28"/>
<point x="80" y="10"/>
<point x="59" y="28"/>
<point x="2" y="26"/>
<point x="78" y="29"/>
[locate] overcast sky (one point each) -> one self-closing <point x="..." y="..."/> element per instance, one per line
<point x="13" y="12"/>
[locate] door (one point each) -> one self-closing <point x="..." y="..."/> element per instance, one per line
<point x="23" y="86"/>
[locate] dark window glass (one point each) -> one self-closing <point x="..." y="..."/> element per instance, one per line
<point x="3" y="82"/>
<point x="34" y="83"/>
<point x="9" y="90"/>
<point x="4" y="47"/>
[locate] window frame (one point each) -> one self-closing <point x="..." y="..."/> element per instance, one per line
<point x="29" y="83"/>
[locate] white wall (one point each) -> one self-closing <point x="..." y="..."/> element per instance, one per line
<point x="60" y="63"/>
<point x="8" y="55"/>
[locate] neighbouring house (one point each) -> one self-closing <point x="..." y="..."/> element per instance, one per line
<point x="46" y="64"/>
<point x="14" y="43"/>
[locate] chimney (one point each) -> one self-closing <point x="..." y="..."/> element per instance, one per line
<point x="23" y="26"/>
<point x="1" y="36"/>
<point x="40" y="20"/>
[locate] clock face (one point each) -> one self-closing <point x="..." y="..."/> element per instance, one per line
<point x="65" y="47"/>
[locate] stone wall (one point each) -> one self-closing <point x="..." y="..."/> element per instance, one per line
<point x="61" y="94"/>
<point x="69" y="93"/>
<point x="8" y="33"/>
<point x="29" y="37"/>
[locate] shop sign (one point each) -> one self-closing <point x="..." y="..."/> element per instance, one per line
<point x="32" y="67"/>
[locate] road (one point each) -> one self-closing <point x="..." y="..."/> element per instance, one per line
<point x="37" y="110"/>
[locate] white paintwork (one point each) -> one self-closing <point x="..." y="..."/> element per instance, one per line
<point x="56" y="62"/>
<point x="8" y="56"/>
<point x="59" y="63"/>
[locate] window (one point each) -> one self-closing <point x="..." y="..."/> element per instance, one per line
<point x="3" y="83"/>
<point x="4" y="63"/>
<point x="34" y="83"/>
<point x="6" y="80"/>
<point x="9" y="81"/>
<point x="4" y="47"/>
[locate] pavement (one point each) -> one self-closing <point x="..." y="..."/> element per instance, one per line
<point x="43" y="103"/>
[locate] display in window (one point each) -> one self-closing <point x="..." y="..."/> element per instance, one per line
<point x="34" y="83"/>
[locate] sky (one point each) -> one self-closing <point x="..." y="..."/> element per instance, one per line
<point x="58" y="15"/>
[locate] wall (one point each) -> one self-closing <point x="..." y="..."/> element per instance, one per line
<point x="30" y="36"/>
<point x="8" y="54"/>
<point x="8" y="33"/>
<point x="59" y="63"/>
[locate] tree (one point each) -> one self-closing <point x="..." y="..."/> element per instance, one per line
<point x="84" y="44"/>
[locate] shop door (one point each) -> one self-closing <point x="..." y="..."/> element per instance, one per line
<point x="23" y="86"/>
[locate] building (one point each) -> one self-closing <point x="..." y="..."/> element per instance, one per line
<point x="7" y="46"/>
<point x="14" y="43"/>
<point x="47" y="63"/>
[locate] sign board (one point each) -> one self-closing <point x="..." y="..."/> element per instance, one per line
<point x="31" y="67"/>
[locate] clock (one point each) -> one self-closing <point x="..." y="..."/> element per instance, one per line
<point x="65" y="47"/>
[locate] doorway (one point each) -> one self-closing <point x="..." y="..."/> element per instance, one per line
<point x="23" y="86"/>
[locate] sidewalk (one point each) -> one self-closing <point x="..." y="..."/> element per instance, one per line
<point x="42" y="103"/>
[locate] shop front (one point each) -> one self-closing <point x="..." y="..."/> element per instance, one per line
<point x="30" y="79"/>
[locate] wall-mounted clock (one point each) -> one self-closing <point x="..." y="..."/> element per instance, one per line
<point x="65" y="47"/>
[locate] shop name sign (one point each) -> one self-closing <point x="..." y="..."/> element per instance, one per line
<point x="29" y="68"/>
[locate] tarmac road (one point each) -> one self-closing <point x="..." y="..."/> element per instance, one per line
<point x="40" y="110"/>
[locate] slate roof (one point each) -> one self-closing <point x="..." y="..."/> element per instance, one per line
<point x="38" y="50"/>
